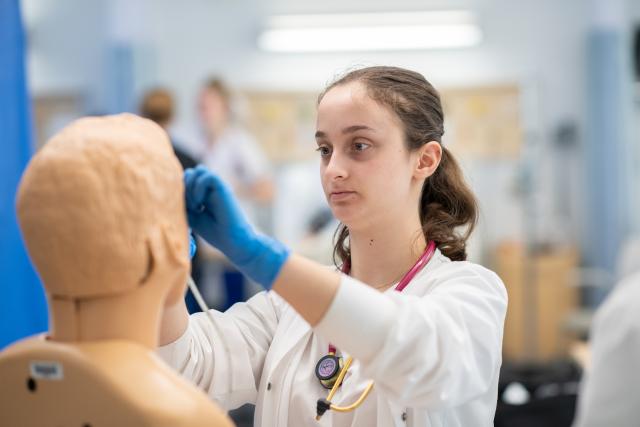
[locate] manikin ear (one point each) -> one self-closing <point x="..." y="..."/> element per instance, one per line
<point x="427" y="160"/>
<point x="168" y="263"/>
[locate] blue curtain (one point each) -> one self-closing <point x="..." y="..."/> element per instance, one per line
<point x="23" y="309"/>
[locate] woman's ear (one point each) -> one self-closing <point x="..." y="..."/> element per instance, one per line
<point x="428" y="159"/>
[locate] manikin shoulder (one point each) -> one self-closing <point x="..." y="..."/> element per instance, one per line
<point x="97" y="383"/>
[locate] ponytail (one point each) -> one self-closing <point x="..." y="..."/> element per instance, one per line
<point x="448" y="208"/>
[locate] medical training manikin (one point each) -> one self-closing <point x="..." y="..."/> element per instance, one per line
<point x="101" y="209"/>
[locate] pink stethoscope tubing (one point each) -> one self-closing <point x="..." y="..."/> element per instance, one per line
<point x="406" y="279"/>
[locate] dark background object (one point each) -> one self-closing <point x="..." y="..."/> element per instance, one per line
<point x="552" y="388"/>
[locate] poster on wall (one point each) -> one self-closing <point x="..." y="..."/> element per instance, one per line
<point x="284" y="123"/>
<point x="481" y="122"/>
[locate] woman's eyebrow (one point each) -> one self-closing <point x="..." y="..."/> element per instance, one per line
<point x="355" y="128"/>
<point x="349" y="129"/>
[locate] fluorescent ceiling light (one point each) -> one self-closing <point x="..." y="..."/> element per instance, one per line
<point x="370" y="31"/>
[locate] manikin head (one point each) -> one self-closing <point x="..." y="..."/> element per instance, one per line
<point x="101" y="209"/>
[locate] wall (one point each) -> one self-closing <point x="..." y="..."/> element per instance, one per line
<point x="538" y="45"/>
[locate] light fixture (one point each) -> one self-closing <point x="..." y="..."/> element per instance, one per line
<point x="370" y="31"/>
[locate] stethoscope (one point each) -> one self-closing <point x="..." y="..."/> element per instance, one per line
<point x="330" y="370"/>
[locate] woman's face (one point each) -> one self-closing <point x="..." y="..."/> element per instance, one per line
<point x="366" y="168"/>
<point x="212" y="110"/>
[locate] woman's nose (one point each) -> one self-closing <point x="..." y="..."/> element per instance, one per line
<point x="336" y="168"/>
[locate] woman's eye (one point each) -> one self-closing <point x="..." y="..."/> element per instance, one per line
<point x="324" y="151"/>
<point x="360" y="146"/>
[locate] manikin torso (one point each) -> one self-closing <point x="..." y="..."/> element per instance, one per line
<point x="102" y="214"/>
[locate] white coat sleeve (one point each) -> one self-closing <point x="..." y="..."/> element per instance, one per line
<point x="226" y="360"/>
<point x="609" y="394"/>
<point x="435" y="351"/>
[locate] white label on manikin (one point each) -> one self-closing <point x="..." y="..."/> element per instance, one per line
<point x="46" y="370"/>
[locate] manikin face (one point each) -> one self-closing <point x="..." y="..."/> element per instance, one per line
<point x="366" y="169"/>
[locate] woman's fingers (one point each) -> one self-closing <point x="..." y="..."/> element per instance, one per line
<point x="195" y="188"/>
<point x="203" y="187"/>
<point x="205" y="191"/>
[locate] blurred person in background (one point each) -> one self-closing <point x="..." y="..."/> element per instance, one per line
<point x="231" y="151"/>
<point x="609" y="395"/>
<point x="157" y="105"/>
<point x="235" y="155"/>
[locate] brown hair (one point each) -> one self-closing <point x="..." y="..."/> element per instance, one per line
<point x="448" y="209"/>
<point x="157" y="105"/>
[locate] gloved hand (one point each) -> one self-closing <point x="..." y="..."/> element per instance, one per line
<point x="214" y="214"/>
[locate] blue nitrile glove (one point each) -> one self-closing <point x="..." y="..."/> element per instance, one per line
<point x="192" y="245"/>
<point x="214" y="214"/>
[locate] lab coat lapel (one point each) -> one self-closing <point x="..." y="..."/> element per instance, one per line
<point x="290" y="337"/>
<point x="280" y="365"/>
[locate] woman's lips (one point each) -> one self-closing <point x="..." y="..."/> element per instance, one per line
<point x="340" y="196"/>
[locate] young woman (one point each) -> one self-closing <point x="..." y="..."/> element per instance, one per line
<point x="418" y="320"/>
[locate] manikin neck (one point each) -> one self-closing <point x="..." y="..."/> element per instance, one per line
<point x="130" y="316"/>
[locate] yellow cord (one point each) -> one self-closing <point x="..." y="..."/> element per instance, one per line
<point x="355" y="404"/>
<point x="343" y="372"/>
<point x="333" y="390"/>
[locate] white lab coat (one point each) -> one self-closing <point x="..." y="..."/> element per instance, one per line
<point x="434" y="351"/>
<point x="610" y="392"/>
